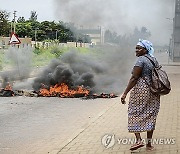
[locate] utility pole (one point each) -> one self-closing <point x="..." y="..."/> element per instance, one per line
<point x="14" y="21"/>
<point x="56" y="35"/>
<point x="35" y="37"/>
<point x="11" y="27"/>
<point x="35" y="34"/>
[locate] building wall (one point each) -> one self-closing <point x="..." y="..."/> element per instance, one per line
<point x="176" y="32"/>
<point x="94" y="34"/>
<point x="68" y="44"/>
<point x="4" y="41"/>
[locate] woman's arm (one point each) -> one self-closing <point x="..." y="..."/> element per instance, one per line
<point x="137" y="71"/>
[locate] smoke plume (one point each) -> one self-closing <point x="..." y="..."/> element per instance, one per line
<point x="121" y="16"/>
<point x="102" y="71"/>
<point x="19" y="60"/>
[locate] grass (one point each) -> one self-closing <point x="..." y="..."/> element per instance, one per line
<point x="1" y="60"/>
<point x="4" y="62"/>
<point x="83" y="50"/>
<point x="42" y="57"/>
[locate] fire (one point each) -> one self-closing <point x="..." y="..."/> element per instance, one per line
<point x="7" y="91"/>
<point x="8" y="87"/>
<point x="62" y="90"/>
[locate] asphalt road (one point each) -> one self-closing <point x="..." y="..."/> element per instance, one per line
<point x="40" y="125"/>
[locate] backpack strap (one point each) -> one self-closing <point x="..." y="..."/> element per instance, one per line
<point x="151" y="60"/>
<point x="153" y="66"/>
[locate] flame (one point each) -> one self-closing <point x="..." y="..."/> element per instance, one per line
<point x="62" y="90"/>
<point x="8" y="87"/>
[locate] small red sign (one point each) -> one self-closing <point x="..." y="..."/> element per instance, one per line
<point x="14" y="39"/>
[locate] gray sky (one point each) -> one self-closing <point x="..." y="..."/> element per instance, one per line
<point x="44" y="8"/>
<point x="119" y="15"/>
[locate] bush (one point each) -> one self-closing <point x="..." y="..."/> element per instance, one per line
<point x="57" y="51"/>
<point x="38" y="51"/>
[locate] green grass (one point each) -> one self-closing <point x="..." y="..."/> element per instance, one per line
<point x="1" y="60"/>
<point x="83" y="50"/>
<point x="42" y="57"/>
<point x="58" y="51"/>
<point x="4" y="62"/>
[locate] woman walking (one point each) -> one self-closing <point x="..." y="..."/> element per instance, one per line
<point x="143" y="106"/>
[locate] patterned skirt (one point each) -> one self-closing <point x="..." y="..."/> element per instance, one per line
<point x="143" y="108"/>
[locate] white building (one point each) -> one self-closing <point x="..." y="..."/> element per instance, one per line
<point x="96" y="35"/>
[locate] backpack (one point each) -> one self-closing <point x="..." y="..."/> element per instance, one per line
<point x="160" y="83"/>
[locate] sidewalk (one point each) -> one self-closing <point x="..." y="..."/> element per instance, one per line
<point x="88" y="140"/>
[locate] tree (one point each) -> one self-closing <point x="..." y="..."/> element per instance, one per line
<point x="35" y="27"/>
<point x="107" y="36"/>
<point x="33" y="16"/>
<point x="111" y="37"/>
<point x="46" y="30"/>
<point x="143" y="33"/>
<point x="4" y="25"/>
<point x="21" y="19"/>
<point x="23" y="29"/>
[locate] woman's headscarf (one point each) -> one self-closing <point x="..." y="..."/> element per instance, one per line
<point x="147" y="45"/>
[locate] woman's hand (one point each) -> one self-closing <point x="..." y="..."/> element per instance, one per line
<point x="123" y="97"/>
<point x="137" y="71"/>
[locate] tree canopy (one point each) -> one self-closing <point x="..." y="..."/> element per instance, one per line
<point x="4" y="23"/>
<point x="113" y="37"/>
<point x="63" y="32"/>
<point x="45" y="30"/>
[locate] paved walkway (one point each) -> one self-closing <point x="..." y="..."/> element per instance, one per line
<point x="114" y="122"/>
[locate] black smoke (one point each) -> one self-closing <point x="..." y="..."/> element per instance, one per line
<point x="72" y="68"/>
<point x="106" y="69"/>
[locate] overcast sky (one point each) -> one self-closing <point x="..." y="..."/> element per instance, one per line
<point x="44" y="8"/>
<point x="119" y="15"/>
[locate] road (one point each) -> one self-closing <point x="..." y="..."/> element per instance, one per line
<point x="40" y="125"/>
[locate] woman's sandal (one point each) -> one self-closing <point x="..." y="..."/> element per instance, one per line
<point x="136" y="146"/>
<point x="152" y="148"/>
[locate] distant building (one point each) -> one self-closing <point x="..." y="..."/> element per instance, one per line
<point x="96" y="35"/>
<point x="175" y="41"/>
